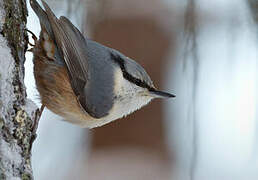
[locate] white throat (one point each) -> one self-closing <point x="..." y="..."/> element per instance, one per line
<point x="129" y="99"/>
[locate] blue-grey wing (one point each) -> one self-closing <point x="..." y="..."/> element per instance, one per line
<point x="72" y="46"/>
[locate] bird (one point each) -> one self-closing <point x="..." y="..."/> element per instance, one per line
<point x="83" y="81"/>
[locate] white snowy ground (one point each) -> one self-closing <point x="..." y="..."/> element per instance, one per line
<point x="60" y="148"/>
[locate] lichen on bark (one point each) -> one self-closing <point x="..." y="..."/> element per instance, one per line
<point x="17" y="114"/>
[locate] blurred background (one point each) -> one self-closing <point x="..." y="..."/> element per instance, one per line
<point x="205" y="52"/>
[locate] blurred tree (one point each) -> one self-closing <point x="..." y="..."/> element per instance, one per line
<point x="213" y="125"/>
<point x="253" y="4"/>
<point x="191" y="59"/>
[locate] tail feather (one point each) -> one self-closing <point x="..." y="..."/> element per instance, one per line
<point x="44" y="21"/>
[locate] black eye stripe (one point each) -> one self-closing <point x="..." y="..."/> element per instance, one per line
<point x="117" y="59"/>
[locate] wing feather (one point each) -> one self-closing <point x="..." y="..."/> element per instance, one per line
<point x="72" y="47"/>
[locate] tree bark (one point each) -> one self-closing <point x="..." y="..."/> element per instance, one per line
<point x="17" y="114"/>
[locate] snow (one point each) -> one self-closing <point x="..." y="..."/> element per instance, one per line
<point x="6" y="89"/>
<point x="10" y="152"/>
<point x="2" y="14"/>
<point x="30" y="107"/>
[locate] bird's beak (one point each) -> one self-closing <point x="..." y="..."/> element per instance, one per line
<point x="161" y="94"/>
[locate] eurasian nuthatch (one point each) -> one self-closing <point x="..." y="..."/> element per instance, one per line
<point x="83" y="81"/>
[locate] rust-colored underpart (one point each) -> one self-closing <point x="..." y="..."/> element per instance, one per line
<point x="52" y="81"/>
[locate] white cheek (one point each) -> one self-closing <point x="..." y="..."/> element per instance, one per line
<point x="119" y="80"/>
<point x="131" y="99"/>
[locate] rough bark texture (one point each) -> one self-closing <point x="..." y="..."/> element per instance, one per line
<point x="17" y="114"/>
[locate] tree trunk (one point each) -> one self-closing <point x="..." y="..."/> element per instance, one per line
<point x="17" y="114"/>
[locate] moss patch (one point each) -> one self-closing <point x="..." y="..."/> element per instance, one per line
<point x="26" y="177"/>
<point x="14" y="28"/>
<point x="23" y="131"/>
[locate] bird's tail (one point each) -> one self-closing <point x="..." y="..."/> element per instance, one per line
<point x="42" y="17"/>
